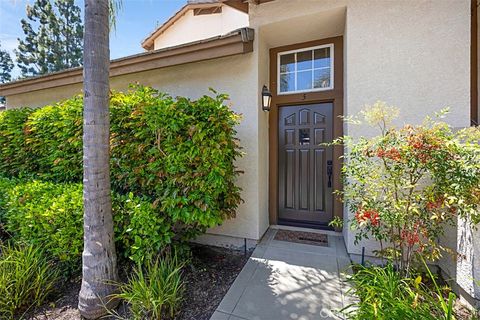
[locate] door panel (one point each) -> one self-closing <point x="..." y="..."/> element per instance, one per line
<point x="319" y="180"/>
<point x="305" y="193"/>
<point x="290" y="179"/>
<point x="304" y="179"/>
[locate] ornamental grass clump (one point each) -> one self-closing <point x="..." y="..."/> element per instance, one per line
<point x="381" y="293"/>
<point x="406" y="184"/>
<point x="27" y="277"/>
<point x="155" y="289"/>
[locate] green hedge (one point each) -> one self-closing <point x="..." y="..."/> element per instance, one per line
<point x="5" y="185"/>
<point x="54" y="141"/>
<point x="46" y="214"/>
<point x="178" y="153"/>
<point x="50" y="215"/>
<point x="141" y="229"/>
<point x="14" y="152"/>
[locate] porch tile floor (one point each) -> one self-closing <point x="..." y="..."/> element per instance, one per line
<point x="286" y="280"/>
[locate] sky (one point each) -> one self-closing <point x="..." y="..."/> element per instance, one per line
<point x="135" y="21"/>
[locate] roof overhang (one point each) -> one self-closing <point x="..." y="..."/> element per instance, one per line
<point x="148" y="42"/>
<point x="237" y="42"/>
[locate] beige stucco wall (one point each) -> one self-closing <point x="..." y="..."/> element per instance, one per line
<point x="40" y="98"/>
<point x="191" y="28"/>
<point x="261" y="48"/>
<point x="463" y="267"/>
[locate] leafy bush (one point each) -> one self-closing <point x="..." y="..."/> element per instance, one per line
<point x="405" y="184"/>
<point x="54" y="139"/>
<point x="50" y="215"/>
<point x="5" y="184"/>
<point x="384" y="295"/>
<point x="141" y="230"/>
<point x="154" y="290"/>
<point x="179" y="153"/>
<point x="26" y="279"/>
<point x="15" y="156"/>
<point x="47" y="215"/>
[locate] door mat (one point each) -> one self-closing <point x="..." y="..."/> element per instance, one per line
<point x="316" y="239"/>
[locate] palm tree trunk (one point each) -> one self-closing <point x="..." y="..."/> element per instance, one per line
<point x="99" y="267"/>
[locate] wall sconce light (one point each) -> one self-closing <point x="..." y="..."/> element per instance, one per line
<point x="266" y="99"/>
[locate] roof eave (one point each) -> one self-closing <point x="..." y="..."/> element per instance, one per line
<point x="237" y="42"/>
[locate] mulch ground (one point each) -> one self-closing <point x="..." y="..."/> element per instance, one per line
<point x="207" y="279"/>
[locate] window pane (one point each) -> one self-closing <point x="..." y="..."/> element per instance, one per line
<point x="305" y="70"/>
<point x="304" y="60"/>
<point x="321" y="78"/>
<point x="287" y="82"/>
<point x="304" y="80"/>
<point x="287" y="63"/>
<point x="322" y="58"/>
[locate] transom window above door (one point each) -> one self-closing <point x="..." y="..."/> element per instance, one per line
<point x="304" y="70"/>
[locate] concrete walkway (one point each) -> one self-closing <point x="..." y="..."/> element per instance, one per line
<point x="286" y="280"/>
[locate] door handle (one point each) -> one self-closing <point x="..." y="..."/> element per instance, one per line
<point x="329" y="173"/>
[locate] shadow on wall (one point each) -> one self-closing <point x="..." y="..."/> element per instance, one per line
<point x="462" y="267"/>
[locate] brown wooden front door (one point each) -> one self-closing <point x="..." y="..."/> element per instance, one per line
<point x="305" y="165"/>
